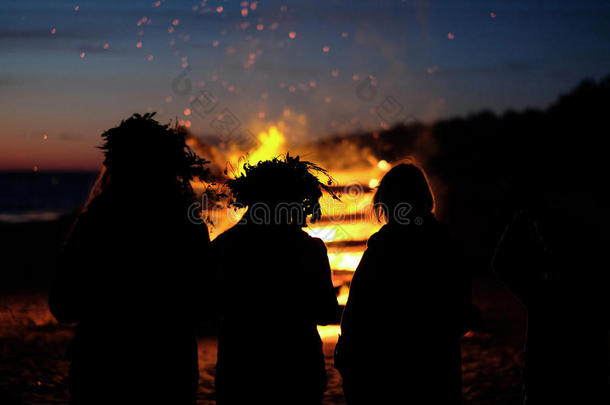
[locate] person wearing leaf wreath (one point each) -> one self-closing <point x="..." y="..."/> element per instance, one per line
<point x="127" y="272"/>
<point x="276" y="287"/>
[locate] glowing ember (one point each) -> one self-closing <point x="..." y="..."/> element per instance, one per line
<point x="383" y="165"/>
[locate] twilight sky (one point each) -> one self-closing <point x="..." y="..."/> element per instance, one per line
<point x="70" y="69"/>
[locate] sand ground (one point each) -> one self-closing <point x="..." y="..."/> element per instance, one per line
<point x="33" y="368"/>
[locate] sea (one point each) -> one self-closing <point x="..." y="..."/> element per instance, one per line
<point x="42" y="196"/>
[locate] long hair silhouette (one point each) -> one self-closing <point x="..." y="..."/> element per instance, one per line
<point x="127" y="274"/>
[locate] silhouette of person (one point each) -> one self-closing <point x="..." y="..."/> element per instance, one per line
<point x="127" y="272"/>
<point x="276" y="287"/>
<point x="401" y="345"/>
<point x="550" y="258"/>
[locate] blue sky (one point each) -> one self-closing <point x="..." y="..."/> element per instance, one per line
<point x="435" y="58"/>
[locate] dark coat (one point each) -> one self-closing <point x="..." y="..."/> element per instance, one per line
<point x="276" y="287"/>
<point x="407" y="307"/>
<point x="126" y="279"/>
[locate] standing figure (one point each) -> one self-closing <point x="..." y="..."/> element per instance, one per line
<point x="127" y="272"/>
<point x="408" y="304"/>
<point x="276" y="288"/>
<point x="550" y="256"/>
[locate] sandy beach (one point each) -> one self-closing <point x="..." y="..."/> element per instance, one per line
<point x="33" y="368"/>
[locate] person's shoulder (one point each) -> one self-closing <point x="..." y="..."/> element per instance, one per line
<point x="198" y="232"/>
<point x="380" y="238"/>
<point x="312" y="241"/>
<point x="240" y="233"/>
<point x="90" y="221"/>
<point x="95" y="210"/>
<point x="375" y="238"/>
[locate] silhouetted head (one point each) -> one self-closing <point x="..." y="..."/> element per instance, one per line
<point x="142" y="149"/>
<point x="280" y="191"/>
<point x="403" y="189"/>
<point x="143" y="156"/>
